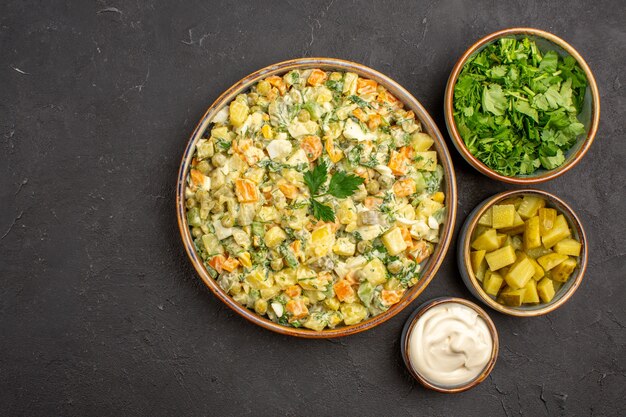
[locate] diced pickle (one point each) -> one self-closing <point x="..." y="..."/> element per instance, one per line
<point x="500" y="258"/>
<point x="568" y="246"/>
<point x="530" y="293"/>
<point x="486" y="241"/>
<point x="547" y="217"/>
<point x="562" y="271"/>
<point x="485" y="219"/>
<point x="511" y="297"/>
<point x="551" y="260"/>
<point x="492" y="283"/>
<point x="532" y="237"/>
<point x="559" y="231"/>
<point x="502" y="216"/>
<point x="539" y="272"/>
<point x="477" y="258"/>
<point x="520" y="273"/>
<point x="545" y="288"/>
<point x="529" y="206"/>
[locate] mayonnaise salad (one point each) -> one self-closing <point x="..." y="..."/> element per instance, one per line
<point x="450" y="344"/>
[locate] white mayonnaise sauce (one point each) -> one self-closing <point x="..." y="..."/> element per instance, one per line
<point x="450" y="344"/>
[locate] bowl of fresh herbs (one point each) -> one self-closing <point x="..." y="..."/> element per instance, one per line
<point x="522" y="106"/>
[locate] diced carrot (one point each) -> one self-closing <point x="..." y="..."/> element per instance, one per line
<point x="217" y="263"/>
<point x="289" y="190"/>
<point x="400" y="162"/>
<point x="386" y="97"/>
<point x="197" y="178"/>
<point x="364" y="86"/>
<point x="409" y="115"/>
<point x="404" y="187"/>
<point x="293" y="291"/>
<point x="374" y="121"/>
<point x="312" y="146"/>
<point x="390" y="297"/>
<point x="406" y="235"/>
<point x="334" y="154"/>
<point x="372" y="202"/>
<point x="351" y="277"/>
<point x="246" y="191"/>
<point x="360" y="114"/>
<point x="343" y="290"/>
<point x="297" y="309"/>
<point x="316" y="78"/>
<point x="277" y="82"/>
<point x="421" y="250"/>
<point x="230" y="264"/>
<point x="295" y="247"/>
<point x="194" y="161"/>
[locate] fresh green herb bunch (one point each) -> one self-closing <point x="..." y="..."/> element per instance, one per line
<point x="516" y="108"/>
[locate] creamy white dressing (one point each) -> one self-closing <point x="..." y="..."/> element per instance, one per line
<point x="450" y="344"/>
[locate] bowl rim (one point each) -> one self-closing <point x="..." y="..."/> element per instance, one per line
<point x="429" y="126"/>
<point x="469" y="228"/>
<point x="457" y="140"/>
<point x="412" y="321"/>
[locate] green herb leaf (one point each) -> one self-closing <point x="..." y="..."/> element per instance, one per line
<point x="343" y="185"/>
<point x="322" y="211"/>
<point x="314" y="179"/>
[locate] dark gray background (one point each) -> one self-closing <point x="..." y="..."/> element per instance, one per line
<point x="101" y="312"/>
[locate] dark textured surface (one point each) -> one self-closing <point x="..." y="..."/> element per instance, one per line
<point x="101" y="312"/>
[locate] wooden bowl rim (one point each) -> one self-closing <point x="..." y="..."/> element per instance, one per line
<point x="429" y="125"/>
<point x="457" y="140"/>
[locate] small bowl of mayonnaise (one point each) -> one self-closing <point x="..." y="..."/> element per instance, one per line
<point x="449" y="344"/>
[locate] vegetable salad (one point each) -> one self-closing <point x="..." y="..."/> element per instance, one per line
<point x="314" y="198"/>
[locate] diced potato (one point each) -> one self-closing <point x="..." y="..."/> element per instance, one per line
<point x="530" y="205"/>
<point x="530" y="293"/>
<point x="346" y="212"/>
<point x="492" y="283"/>
<point x="512" y="297"/>
<point x="476" y="259"/>
<point x="257" y="278"/>
<point x="486" y="241"/>
<point x="394" y="242"/>
<point x="353" y="313"/>
<point x="547" y="217"/>
<point x="331" y="303"/>
<point x="274" y="237"/>
<point x="485" y="219"/>
<point x="559" y="232"/>
<point x="421" y="141"/>
<point x="568" y="246"/>
<point x="500" y="258"/>
<point x="375" y="272"/>
<point x="322" y="240"/>
<point x="520" y="273"/>
<point x="551" y="260"/>
<point x="344" y="247"/>
<point x="502" y="216"/>
<point x="426" y="161"/>
<point x="532" y="237"/>
<point x="545" y="288"/>
<point x="562" y="271"/>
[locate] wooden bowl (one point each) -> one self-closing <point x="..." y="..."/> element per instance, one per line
<point x="471" y="282"/>
<point x="408" y="328"/>
<point x="590" y="115"/>
<point x="449" y="186"/>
